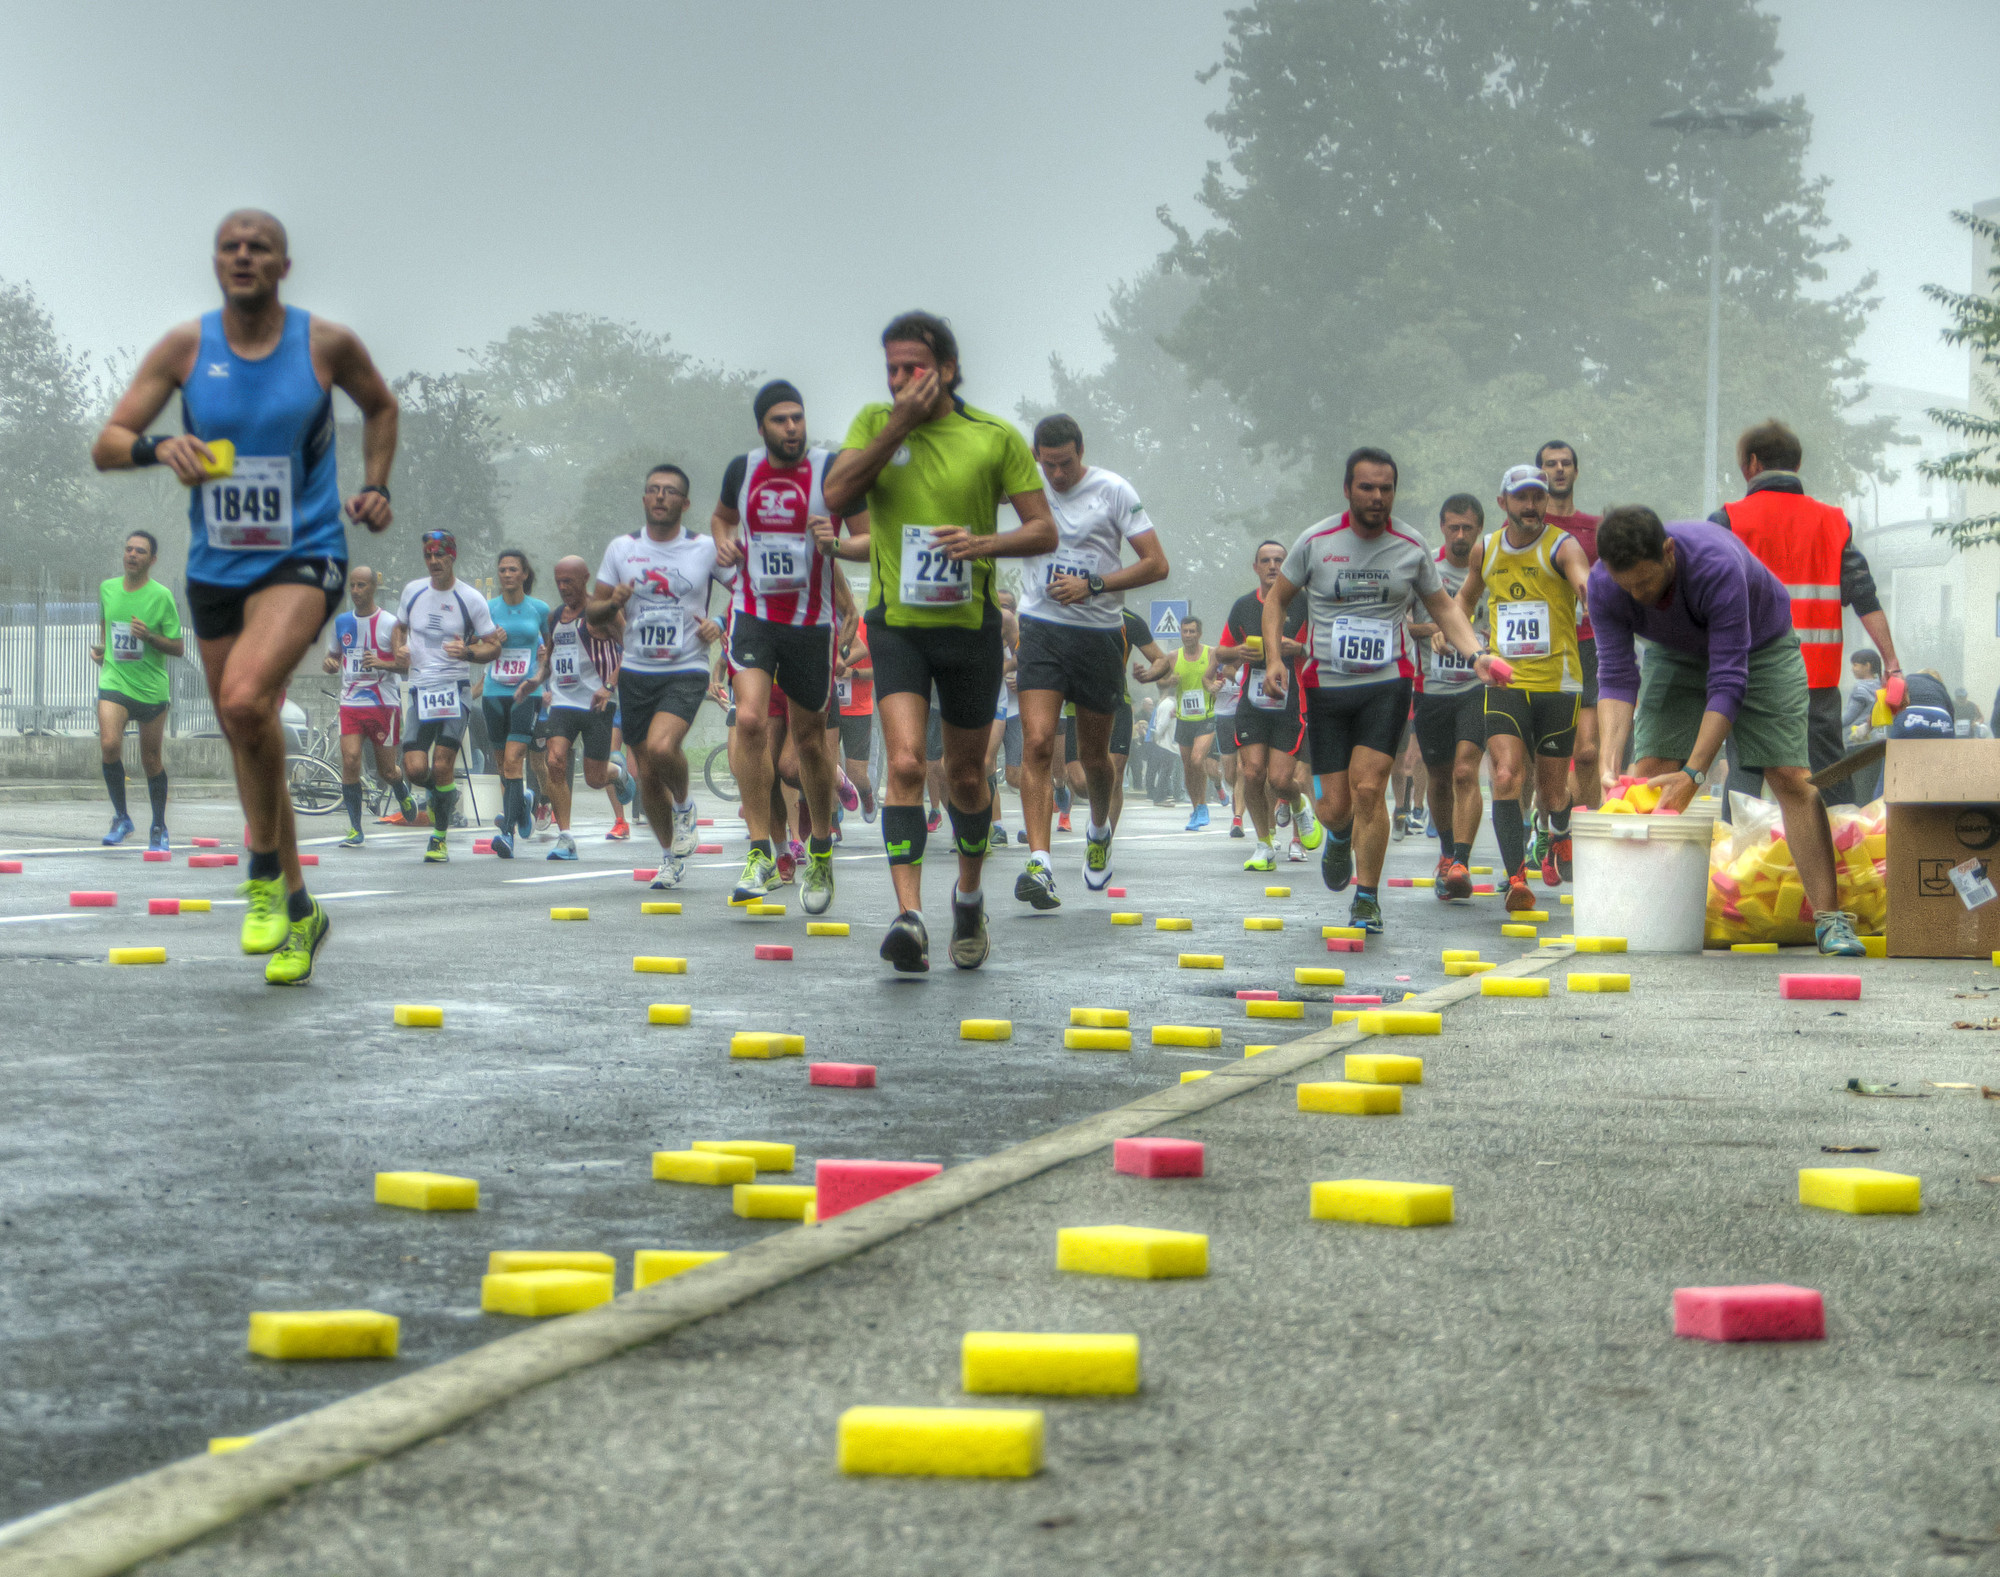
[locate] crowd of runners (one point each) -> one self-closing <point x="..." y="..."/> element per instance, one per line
<point x="1359" y="653"/>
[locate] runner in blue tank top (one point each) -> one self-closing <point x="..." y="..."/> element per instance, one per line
<point x="268" y="561"/>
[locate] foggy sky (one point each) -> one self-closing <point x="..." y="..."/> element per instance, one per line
<point x="770" y="182"/>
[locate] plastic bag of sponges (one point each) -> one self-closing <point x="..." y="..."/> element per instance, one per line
<point x="1754" y="894"/>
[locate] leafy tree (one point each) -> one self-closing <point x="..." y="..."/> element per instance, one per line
<point x="1449" y="226"/>
<point x="50" y="514"/>
<point x="445" y="474"/>
<point x="1976" y="324"/>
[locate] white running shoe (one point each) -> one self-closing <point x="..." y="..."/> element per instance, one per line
<point x="1297" y="852"/>
<point x="685" y="834"/>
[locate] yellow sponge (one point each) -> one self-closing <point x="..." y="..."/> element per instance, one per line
<point x="412" y="1016"/>
<point x="426" y="1191"/>
<point x="810" y="1215"/>
<point x="1173" y="925"/>
<point x="1860" y="1190"/>
<point x="1401" y="1021"/>
<point x="669" y="1013"/>
<point x="1186" y="1035"/>
<point x="332" y="1333"/>
<point x="764" y="1154"/>
<point x="1519" y="930"/>
<point x="1345" y="1015"/>
<point x="1479" y="870"/>
<point x="138" y="955"/>
<point x="1024" y="1363"/>
<point x="1100" y="1018"/>
<point x="826" y="928"/>
<point x="763" y="908"/>
<point x="1569" y="899"/>
<point x="541" y="1294"/>
<point x="507" y="1261"/>
<point x="942" y="1442"/>
<point x="702" y="1166"/>
<point x="221" y="459"/>
<point x="1875" y="946"/>
<point x="569" y="914"/>
<point x="1191" y="1074"/>
<point x="1144" y="1253"/>
<point x="1350" y="1099"/>
<point x="1262" y="922"/>
<point x="1469" y="966"/>
<point x="659" y="966"/>
<point x="657" y="1264"/>
<point x="1201" y="960"/>
<point x="1381" y="1067"/>
<point x="1274" y="1009"/>
<point x="195" y="906"/>
<point x="1600" y="982"/>
<point x="1600" y="944"/>
<point x="1079" y="1039"/>
<point x="1123" y="918"/>
<point x="1353" y="933"/>
<point x="1760" y="947"/>
<point x="759" y="1043"/>
<point x="1534" y="916"/>
<point x="1258" y="1051"/>
<point x="1461" y="955"/>
<point x="772" y="1201"/>
<point x="1423" y="881"/>
<point x="1309" y="975"/>
<point x="985" y="1029"/>
<point x="1382" y="1204"/>
<point x="1277" y="892"/>
<point x="1513" y="986"/>
<point x="222" y="1445"/>
<point x="659" y="908"/>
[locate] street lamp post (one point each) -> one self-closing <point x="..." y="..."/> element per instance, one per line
<point x="1744" y="122"/>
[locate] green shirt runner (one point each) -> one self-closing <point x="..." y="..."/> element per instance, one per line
<point x="132" y="667"/>
<point x="955" y="471"/>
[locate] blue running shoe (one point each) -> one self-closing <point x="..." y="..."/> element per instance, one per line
<point x="121" y="829"/>
<point x="156" y="841"/>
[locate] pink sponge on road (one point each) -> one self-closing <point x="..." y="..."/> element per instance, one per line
<point x="1157" y="1157"/>
<point x="10" y="867"/>
<point x="206" y="843"/>
<point x="202" y="862"/>
<point x="775" y="953"/>
<point x="313" y="859"/>
<point x="708" y="848"/>
<point x="479" y="846"/>
<point x="1820" y="988"/>
<point x="93" y="900"/>
<point x="704" y="821"/>
<point x="1400" y="881"/>
<point x="1771" y="1313"/>
<point x="841" y="1185"/>
<point x="163" y="906"/>
<point x="1114" y="892"/>
<point x="842" y="1075"/>
<point x="1343" y="944"/>
<point x="1256" y="996"/>
<point x="1358" y="1001"/>
<point x="157" y="857"/>
<point x="645" y="875"/>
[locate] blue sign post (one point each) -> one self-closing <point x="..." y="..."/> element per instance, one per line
<point x="1169" y="613"/>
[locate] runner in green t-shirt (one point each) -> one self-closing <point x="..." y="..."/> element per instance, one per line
<point x="140" y="630"/>
<point x="931" y="471"/>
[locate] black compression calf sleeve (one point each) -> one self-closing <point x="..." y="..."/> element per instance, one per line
<point x="114" y="784"/>
<point x="156" y="791"/>
<point x="904" y="833"/>
<point x="442" y="801"/>
<point x="350" y="795"/>
<point x="1513" y="835"/>
<point x="971" y="830"/>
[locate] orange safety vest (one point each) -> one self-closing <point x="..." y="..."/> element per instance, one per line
<point x="1800" y="540"/>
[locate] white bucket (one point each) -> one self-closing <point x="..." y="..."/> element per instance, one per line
<point x="1644" y="878"/>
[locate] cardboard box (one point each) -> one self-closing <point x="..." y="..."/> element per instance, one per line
<point x="1944" y="810"/>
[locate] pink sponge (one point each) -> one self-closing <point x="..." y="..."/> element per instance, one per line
<point x="1256" y="996"/>
<point x="1773" y="1313"/>
<point x="1820" y="988"/>
<point x="1343" y="944"/>
<point x="204" y="861"/>
<point x="1502" y="671"/>
<point x="841" y="1185"/>
<point x="482" y="845"/>
<point x="93" y="900"/>
<point x="1157" y="1157"/>
<point x="842" y="1075"/>
<point x="1400" y="881"/>
<point x="1114" y="892"/>
<point x="163" y="906"/>
<point x="708" y="848"/>
<point x="157" y="857"/>
<point x="1358" y="1001"/>
<point x="10" y="867"/>
<point x="206" y="843"/>
<point x="774" y="952"/>
<point x="645" y="875"/>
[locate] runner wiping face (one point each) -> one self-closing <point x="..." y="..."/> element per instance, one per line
<point x="784" y="432"/>
<point x="910" y="362"/>
<point x="1371" y="496"/>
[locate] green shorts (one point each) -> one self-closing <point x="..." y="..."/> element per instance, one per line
<point x="1770" y="728"/>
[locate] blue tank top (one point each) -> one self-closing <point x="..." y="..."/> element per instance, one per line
<point x="522" y="627"/>
<point x="283" y="499"/>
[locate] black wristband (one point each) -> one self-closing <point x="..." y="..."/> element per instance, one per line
<point x="142" y="451"/>
<point x="377" y="487"/>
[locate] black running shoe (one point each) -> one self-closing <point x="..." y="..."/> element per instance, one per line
<point x="1336" y="862"/>
<point x="907" y="947"/>
<point x="1037" y="885"/>
<point x="1366" y="913"/>
<point x="969" y="945"/>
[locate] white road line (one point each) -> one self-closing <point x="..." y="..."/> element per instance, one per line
<point x="22" y="919"/>
<point x="570" y="876"/>
<point x="360" y="892"/>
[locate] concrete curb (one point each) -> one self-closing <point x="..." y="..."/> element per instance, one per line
<point x="117" y="1527"/>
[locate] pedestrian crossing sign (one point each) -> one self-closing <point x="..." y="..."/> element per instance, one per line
<point x="1168" y="616"/>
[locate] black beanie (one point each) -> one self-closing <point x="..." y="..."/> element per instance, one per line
<point x="776" y="392"/>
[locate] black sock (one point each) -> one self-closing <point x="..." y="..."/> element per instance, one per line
<point x="1363" y="892"/>
<point x="1559" y="822"/>
<point x="514" y="812"/>
<point x="1340" y="834"/>
<point x="971" y="830"/>
<point x="156" y="791"/>
<point x="761" y="846"/>
<point x="350" y="795"/>
<point x="264" y="867"/>
<point x="1461" y="853"/>
<point x="1513" y="836"/>
<point x="904" y="834"/>
<point x="298" y="905"/>
<point x="819" y="845"/>
<point x="114" y="783"/>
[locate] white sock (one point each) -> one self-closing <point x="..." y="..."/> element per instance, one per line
<point x="685" y="804"/>
<point x="967" y="900"/>
<point x="1039" y="857"/>
<point x="1098" y="834"/>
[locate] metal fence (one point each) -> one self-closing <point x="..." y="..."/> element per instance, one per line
<point x="48" y="684"/>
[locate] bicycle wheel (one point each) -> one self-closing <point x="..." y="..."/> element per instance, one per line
<point x="314" y="786"/>
<point x="720" y="780"/>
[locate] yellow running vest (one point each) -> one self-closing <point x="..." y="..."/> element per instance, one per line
<point x="1192" y="701"/>
<point x="1531" y="612"/>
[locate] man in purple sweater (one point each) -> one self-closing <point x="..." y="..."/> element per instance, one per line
<point x="1725" y="662"/>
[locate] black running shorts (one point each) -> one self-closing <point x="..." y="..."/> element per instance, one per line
<point x="1545" y="719"/>
<point x="1355" y="717"/>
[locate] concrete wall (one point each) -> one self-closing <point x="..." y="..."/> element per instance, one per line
<point x="65" y="758"/>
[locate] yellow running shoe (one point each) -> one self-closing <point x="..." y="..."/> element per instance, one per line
<point x="292" y="964"/>
<point x="264" y="922"/>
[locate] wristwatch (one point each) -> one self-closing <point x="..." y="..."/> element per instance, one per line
<point x="1699" y="777"/>
<point x="1095" y="583"/>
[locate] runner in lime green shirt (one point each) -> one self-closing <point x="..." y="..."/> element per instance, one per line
<point x="931" y="472"/>
<point x="141" y="629"/>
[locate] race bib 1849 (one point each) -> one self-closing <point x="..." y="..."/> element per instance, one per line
<point x="250" y="509"/>
<point x="930" y="576"/>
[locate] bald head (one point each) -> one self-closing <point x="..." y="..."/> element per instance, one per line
<point x="255" y="219"/>
<point x="572" y="580"/>
<point x="361" y="586"/>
